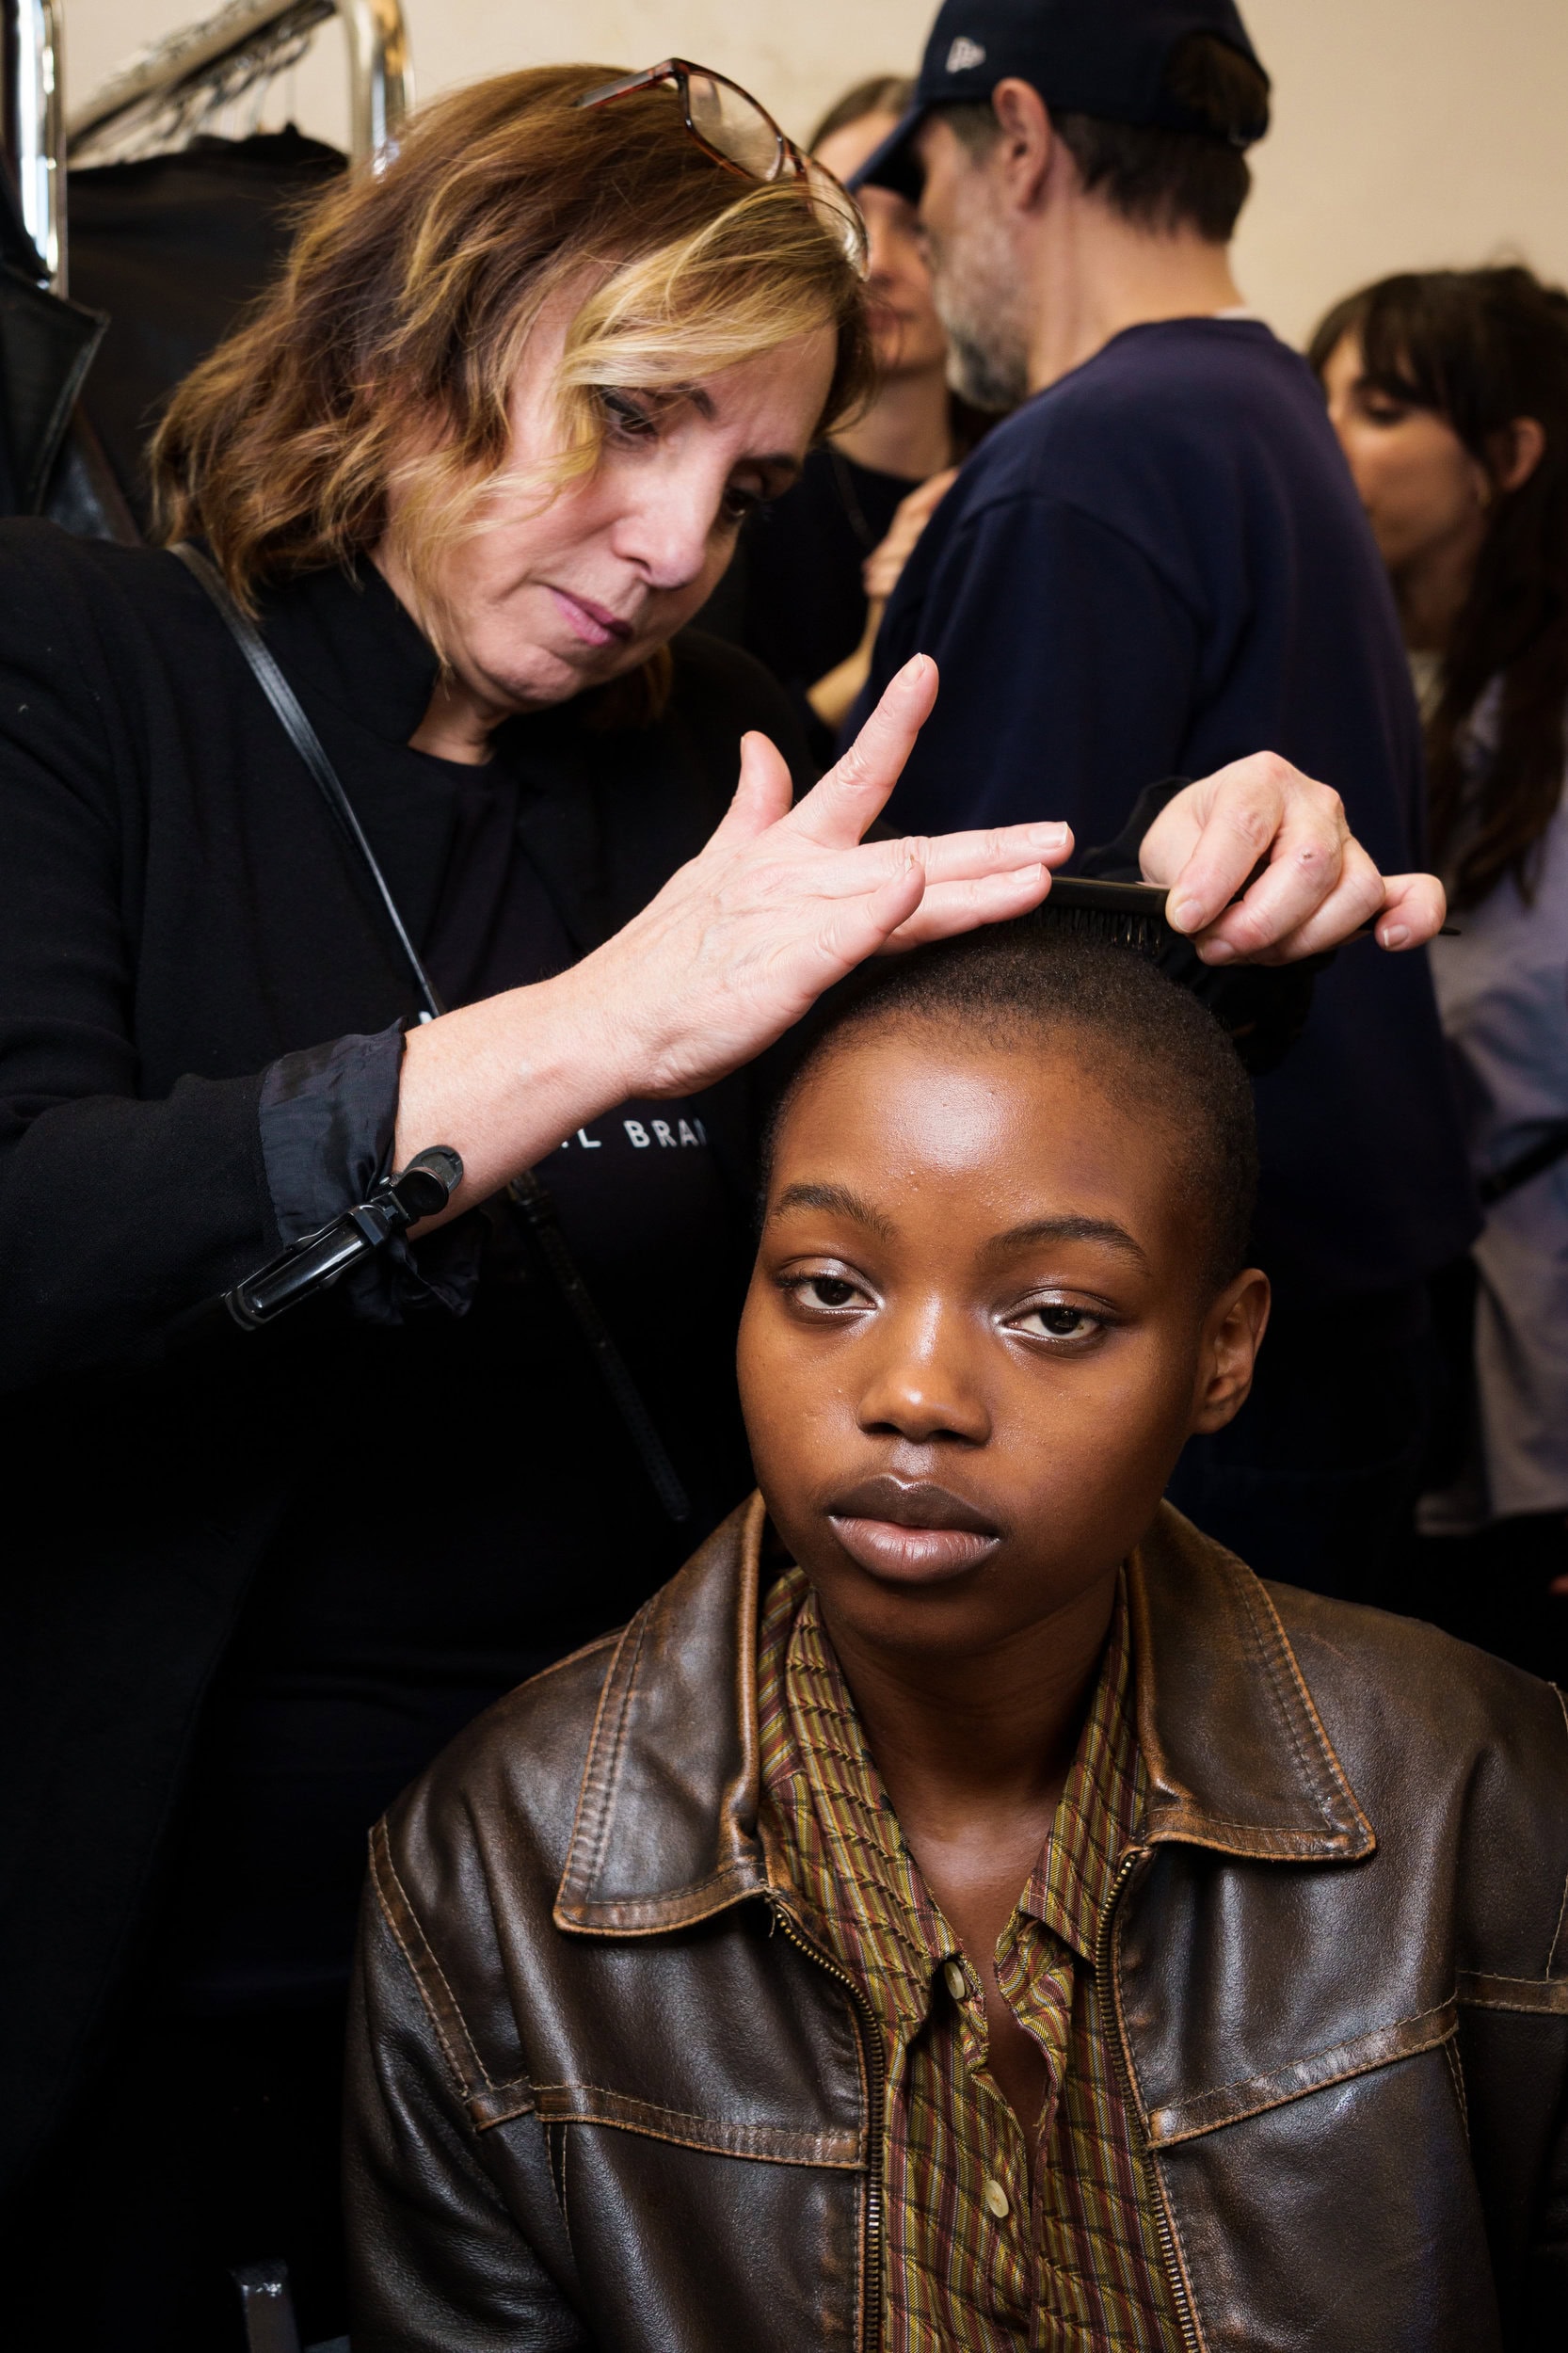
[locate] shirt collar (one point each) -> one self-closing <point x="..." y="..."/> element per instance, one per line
<point x="815" y="1759"/>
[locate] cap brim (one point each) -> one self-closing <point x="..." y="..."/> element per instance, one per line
<point x="894" y="164"/>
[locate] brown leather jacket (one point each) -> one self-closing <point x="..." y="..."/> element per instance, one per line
<point x="606" y="2093"/>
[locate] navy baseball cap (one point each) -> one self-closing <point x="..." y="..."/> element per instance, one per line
<point x="1104" y="57"/>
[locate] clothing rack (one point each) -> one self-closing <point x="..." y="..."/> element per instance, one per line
<point x="33" y="77"/>
<point x="189" y="72"/>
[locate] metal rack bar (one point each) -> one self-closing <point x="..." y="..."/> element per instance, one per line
<point x="380" y="74"/>
<point x="34" y="79"/>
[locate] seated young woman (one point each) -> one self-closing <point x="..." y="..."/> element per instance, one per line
<point x="967" y="1891"/>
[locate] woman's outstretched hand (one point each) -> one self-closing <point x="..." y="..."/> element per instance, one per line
<point x="782" y="901"/>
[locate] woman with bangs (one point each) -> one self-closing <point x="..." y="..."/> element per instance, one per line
<point x="383" y="826"/>
<point x="1450" y="393"/>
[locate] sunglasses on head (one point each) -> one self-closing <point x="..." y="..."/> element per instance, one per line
<point x="729" y="124"/>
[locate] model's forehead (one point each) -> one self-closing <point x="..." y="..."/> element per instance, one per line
<point x="998" y="1130"/>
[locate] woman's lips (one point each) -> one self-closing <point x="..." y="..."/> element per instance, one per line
<point x="911" y="1529"/>
<point x="595" y="624"/>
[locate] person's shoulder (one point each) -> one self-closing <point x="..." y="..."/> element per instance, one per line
<point x="509" y="1782"/>
<point x="49" y="575"/>
<point x="1433" y="1721"/>
<point x="1173" y="392"/>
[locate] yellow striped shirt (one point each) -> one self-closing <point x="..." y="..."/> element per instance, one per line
<point x="984" y="2251"/>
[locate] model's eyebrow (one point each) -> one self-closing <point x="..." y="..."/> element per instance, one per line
<point x="838" y="1201"/>
<point x="1101" y="1229"/>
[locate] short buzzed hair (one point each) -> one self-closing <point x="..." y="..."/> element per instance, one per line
<point x="1129" y="1026"/>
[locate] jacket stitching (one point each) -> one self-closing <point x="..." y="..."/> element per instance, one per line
<point x="1323" y="1772"/>
<point x="598" y="1785"/>
<point x="381" y="1849"/>
<point x="1451" y="2051"/>
<point x="715" y="2144"/>
<point x="1562" y="1908"/>
<point x="1368" y="2065"/>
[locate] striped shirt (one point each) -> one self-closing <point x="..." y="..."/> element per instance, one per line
<point x="984" y="2250"/>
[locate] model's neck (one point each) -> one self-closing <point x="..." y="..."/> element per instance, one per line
<point x="1092" y="275"/>
<point x="958" y="1736"/>
<point x="907" y="430"/>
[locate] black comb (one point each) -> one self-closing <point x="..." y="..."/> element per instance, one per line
<point x="1128" y="915"/>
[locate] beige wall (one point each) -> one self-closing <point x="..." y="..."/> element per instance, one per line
<point x="1407" y="132"/>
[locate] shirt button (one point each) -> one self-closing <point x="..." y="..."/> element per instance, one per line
<point x="958" y="1985"/>
<point x="996" y="2201"/>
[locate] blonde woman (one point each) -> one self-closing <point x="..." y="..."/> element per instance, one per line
<point x="468" y="468"/>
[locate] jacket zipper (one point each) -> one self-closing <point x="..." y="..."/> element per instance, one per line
<point x="877" y="2079"/>
<point x="1185" y="2319"/>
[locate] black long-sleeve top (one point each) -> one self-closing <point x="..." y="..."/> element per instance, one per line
<point x="296" y="1560"/>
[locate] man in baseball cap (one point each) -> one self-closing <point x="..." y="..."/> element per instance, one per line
<point x="1155" y="567"/>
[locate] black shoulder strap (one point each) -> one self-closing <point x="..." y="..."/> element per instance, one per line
<point x="528" y="1195"/>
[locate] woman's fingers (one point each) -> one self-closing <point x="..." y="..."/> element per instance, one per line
<point x="835" y="812"/>
<point x="1210" y="837"/>
<point x="762" y="794"/>
<point x="1414" y="909"/>
<point x="949" y="909"/>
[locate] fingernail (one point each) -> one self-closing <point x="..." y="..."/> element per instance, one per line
<point x="1394" y="936"/>
<point x="1181" y="912"/>
<point x="1218" y="952"/>
<point x="1052" y="833"/>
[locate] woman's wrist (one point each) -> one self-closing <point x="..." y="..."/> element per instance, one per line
<point x="506" y="1081"/>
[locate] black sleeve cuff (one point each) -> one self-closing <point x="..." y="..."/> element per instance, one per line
<point x="329" y="1115"/>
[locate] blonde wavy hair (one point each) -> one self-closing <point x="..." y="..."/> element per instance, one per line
<point x="385" y="353"/>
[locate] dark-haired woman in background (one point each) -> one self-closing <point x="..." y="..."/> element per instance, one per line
<point x="814" y="570"/>
<point x="1449" y="393"/>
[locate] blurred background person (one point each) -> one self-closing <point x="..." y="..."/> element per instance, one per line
<point x="813" y="571"/>
<point x="1449" y="390"/>
<point x="1157" y="562"/>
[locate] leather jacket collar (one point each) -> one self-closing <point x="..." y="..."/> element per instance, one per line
<point x="666" y="1833"/>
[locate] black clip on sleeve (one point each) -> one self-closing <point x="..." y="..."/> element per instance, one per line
<point x="310" y="1265"/>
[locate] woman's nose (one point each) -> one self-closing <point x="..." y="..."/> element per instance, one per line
<point x="922" y="1383"/>
<point x="667" y="528"/>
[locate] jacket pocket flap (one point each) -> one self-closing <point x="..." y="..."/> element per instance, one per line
<point x="1184" y="2120"/>
<point x="773" y="2144"/>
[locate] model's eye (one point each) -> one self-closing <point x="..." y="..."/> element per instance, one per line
<point x="824" y="1294"/>
<point x="1054" y="1319"/>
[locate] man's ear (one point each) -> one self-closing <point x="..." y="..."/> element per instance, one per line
<point x="1027" y="141"/>
<point x="1232" y="1334"/>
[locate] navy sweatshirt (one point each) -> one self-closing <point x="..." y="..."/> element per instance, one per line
<point x="1157" y="565"/>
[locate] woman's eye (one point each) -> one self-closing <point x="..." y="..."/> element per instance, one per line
<point x="628" y="418"/>
<point x="739" y="503"/>
<point x="1052" y="1320"/>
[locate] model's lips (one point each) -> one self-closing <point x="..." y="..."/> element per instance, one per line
<point x="911" y="1529"/>
<point x="595" y="624"/>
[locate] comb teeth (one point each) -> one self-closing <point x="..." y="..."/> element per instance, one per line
<point x="1115" y="925"/>
<point x="1120" y="915"/>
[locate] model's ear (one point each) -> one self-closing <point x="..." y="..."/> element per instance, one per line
<point x="1027" y="140"/>
<point x="1232" y="1335"/>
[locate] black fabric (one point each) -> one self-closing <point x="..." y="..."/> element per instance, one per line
<point x="1155" y="566"/>
<point x="346" y="1522"/>
<point x="173" y="249"/>
<point x="793" y="595"/>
